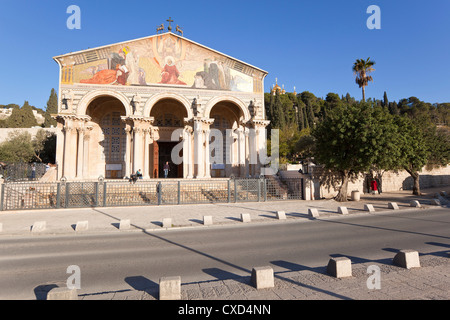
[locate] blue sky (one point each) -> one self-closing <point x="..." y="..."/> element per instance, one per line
<point x="307" y="44"/>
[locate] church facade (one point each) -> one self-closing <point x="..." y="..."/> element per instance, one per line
<point x="158" y="101"/>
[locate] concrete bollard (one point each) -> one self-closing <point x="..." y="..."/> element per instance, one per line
<point x="245" y="217"/>
<point x="356" y="195"/>
<point x="124" y="224"/>
<point x="435" y="202"/>
<point x="39" y="226"/>
<point x="1" y="227"/>
<point x="167" y="223"/>
<point x="369" y="207"/>
<point x="82" y="226"/>
<point x="262" y="277"/>
<point x="393" y="205"/>
<point x="312" y="212"/>
<point x="414" y="203"/>
<point x="62" y="294"/>
<point x="170" y="288"/>
<point x="281" y="215"/>
<point x="342" y="210"/>
<point x="207" y="220"/>
<point x="340" y="267"/>
<point x="407" y="259"/>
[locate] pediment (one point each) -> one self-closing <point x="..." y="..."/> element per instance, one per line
<point x="164" y="59"/>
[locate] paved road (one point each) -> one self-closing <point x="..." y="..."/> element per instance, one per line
<point x="114" y="265"/>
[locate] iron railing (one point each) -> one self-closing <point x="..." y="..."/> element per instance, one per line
<point x="111" y="193"/>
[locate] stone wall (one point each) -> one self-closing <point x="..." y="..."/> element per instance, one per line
<point x="4" y="132"/>
<point x="327" y="186"/>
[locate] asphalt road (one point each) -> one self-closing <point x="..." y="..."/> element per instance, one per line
<point x="114" y="262"/>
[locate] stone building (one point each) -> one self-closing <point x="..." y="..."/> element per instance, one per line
<point x="134" y="105"/>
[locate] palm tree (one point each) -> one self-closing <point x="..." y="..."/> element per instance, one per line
<point x="362" y="68"/>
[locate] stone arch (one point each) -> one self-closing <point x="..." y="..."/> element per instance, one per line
<point x="91" y="96"/>
<point x="168" y="95"/>
<point x="239" y="103"/>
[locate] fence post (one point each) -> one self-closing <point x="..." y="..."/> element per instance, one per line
<point x="179" y="191"/>
<point x="66" y="202"/>
<point x="58" y="195"/>
<point x="228" y="191"/>
<point x="104" y="193"/>
<point x="96" y="193"/>
<point x="265" y="189"/>
<point x="159" y="191"/>
<point x="258" y="182"/>
<point x="2" y="195"/>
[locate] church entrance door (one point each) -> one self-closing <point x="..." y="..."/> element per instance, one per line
<point x="165" y="155"/>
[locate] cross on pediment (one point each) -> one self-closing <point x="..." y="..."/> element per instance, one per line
<point x="169" y="21"/>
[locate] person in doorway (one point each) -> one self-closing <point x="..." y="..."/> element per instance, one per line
<point x="166" y="169"/>
<point x="374" y="186"/>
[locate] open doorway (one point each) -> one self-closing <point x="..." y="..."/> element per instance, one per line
<point x="164" y="156"/>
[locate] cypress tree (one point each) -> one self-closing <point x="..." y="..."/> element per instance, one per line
<point x="52" y="108"/>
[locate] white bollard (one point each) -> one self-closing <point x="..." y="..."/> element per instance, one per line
<point x="393" y="205"/>
<point x="407" y="259"/>
<point x="281" y="215"/>
<point x="414" y="203"/>
<point x="340" y="267"/>
<point x="124" y="224"/>
<point x="82" y="226"/>
<point x="342" y="210"/>
<point x="435" y="202"/>
<point x="262" y="277"/>
<point x="167" y="223"/>
<point x="207" y="220"/>
<point x="312" y="212"/>
<point x="245" y="217"/>
<point x="369" y="207"/>
<point x="62" y="293"/>
<point x="1" y="227"/>
<point x="170" y="288"/>
<point x="39" y="226"/>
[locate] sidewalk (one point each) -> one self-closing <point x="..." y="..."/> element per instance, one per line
<point x="431" y="281"/>
<point x="106" y="219"/>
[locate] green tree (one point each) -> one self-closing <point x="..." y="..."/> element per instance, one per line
<point x="18" y="147"/>
<point x="21" y="118"/>
<point x="420" y="144"/>
<point x="362" y="69"/>
<point x="351" y="139"/>
<point x="52" y="108"/>
<point x="277" y="120"/>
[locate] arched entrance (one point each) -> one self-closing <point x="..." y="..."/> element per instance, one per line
<point x="168" y="116"/>
<point x="226" y="117"/>
<point x="107" y="143"/>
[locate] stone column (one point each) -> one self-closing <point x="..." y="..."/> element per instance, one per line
<point x="128" y="162"/>
<point x="146" y="169"/>
<point x="198" y="149"/>
<point x="187" y="153"/>
<point x="87" y="137"/>
<point x="80" y="153"/>
<point x="137" y="149"/>
<point x="241" y="151"/>
<point x="69" y="151"/>
<point x="207" y="155"/>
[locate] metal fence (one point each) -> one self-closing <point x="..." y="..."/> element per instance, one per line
<point x="77" y="194"/>
<point x="13" y="172"/>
